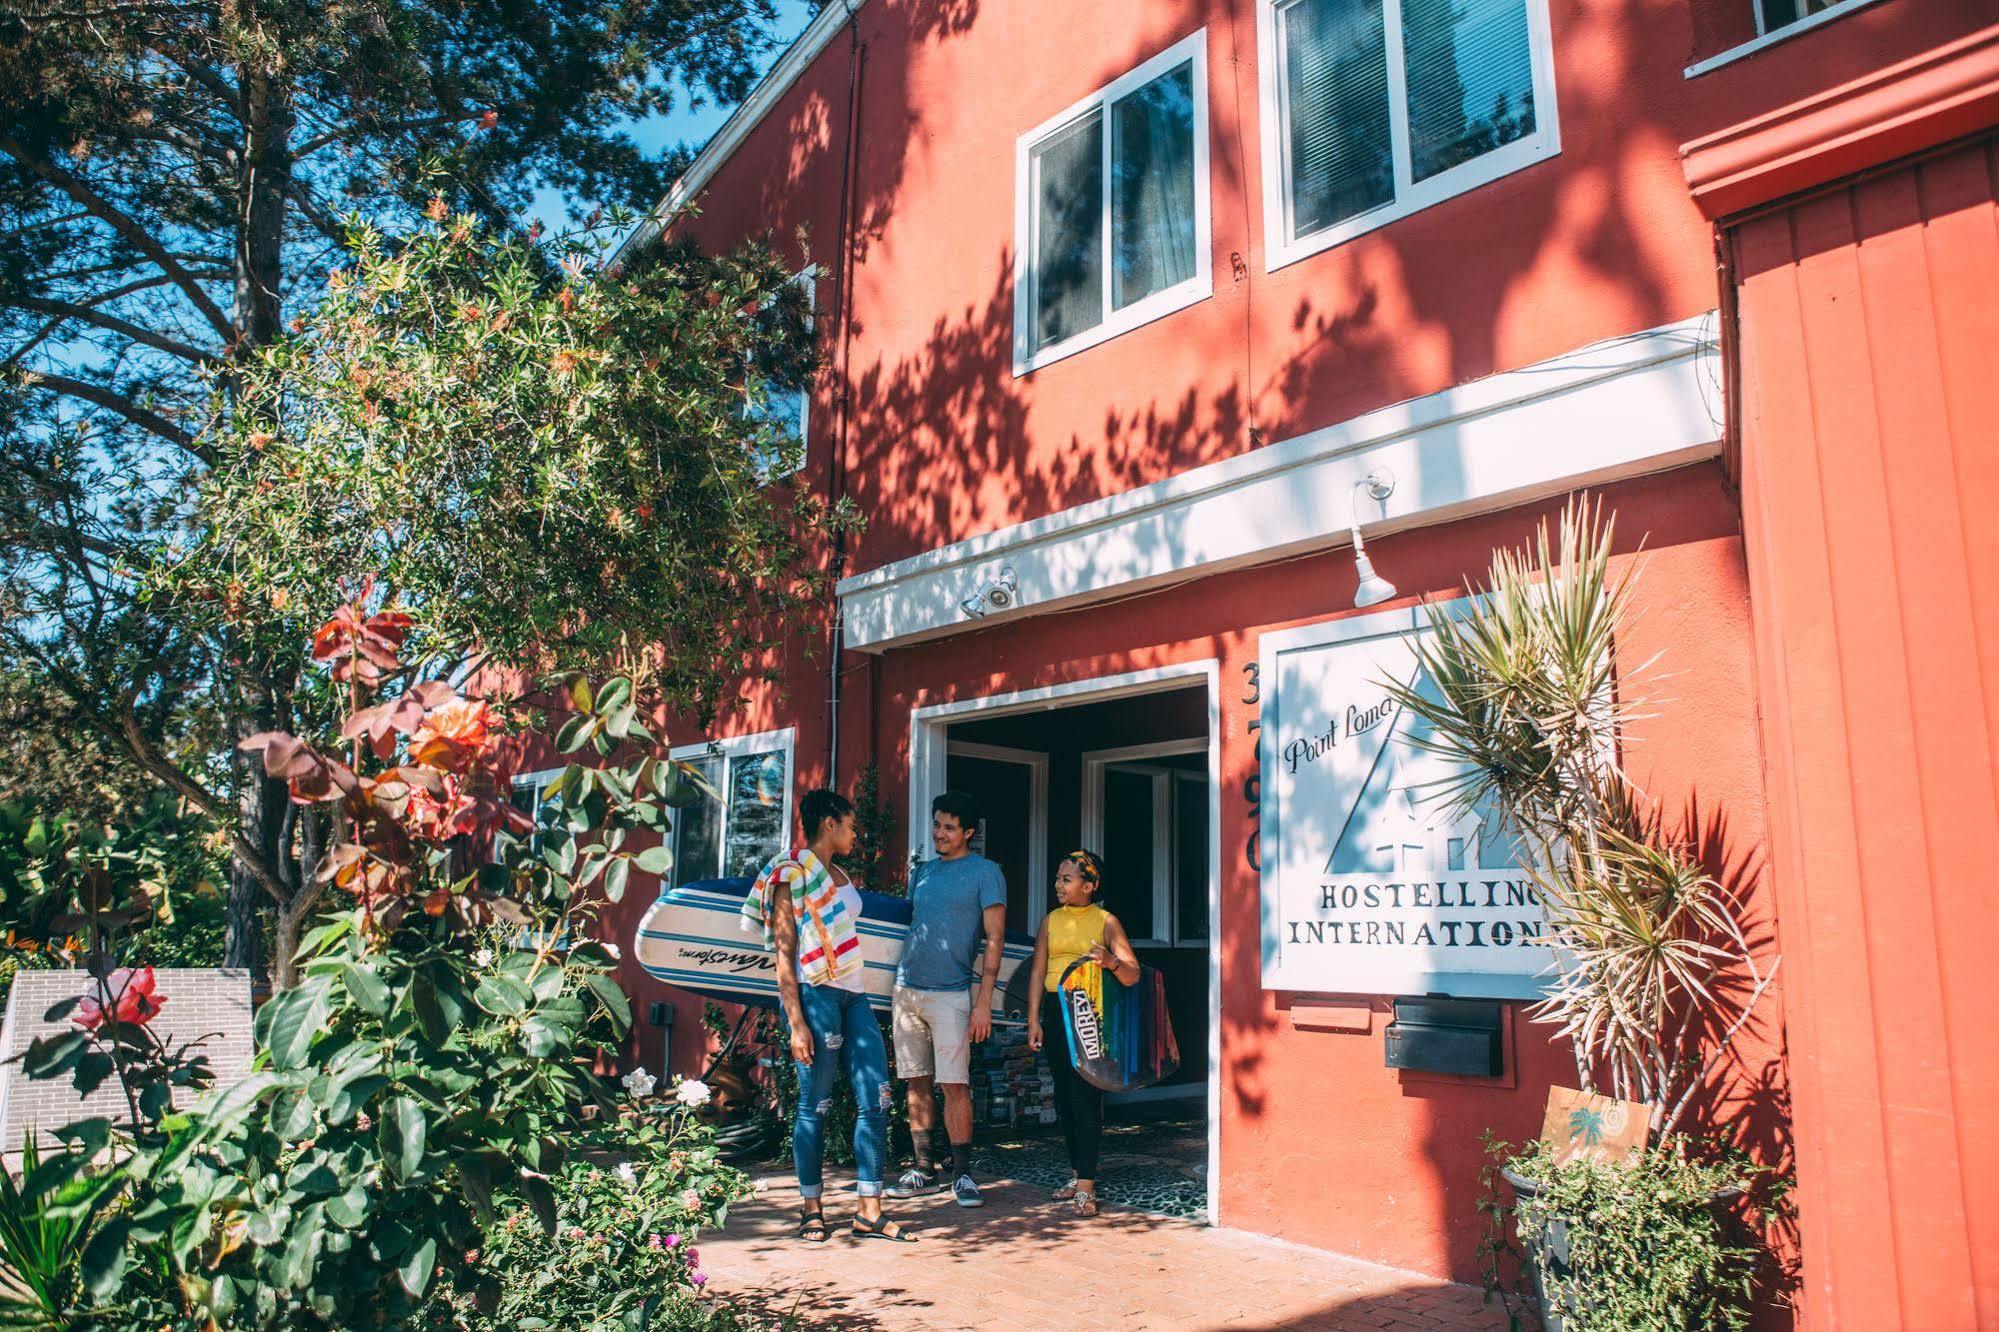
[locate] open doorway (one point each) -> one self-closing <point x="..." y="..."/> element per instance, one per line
<point x="1126" y="766"/>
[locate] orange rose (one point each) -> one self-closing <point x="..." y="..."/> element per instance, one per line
<point x="453" y="733"/>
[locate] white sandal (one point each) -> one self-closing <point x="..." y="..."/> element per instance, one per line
<point x="1086" y="1202"/>
<point x="1065" y="1193"/>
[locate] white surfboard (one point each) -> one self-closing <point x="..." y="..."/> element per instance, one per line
<point x="692" y="938"/>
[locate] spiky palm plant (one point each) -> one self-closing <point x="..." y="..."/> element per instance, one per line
<point x="1652" y="974"/>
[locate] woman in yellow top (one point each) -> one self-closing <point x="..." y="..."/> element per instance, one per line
<point x="1076" y="928"/>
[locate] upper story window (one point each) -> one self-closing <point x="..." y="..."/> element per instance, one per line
<point x="1374" y="109"/>
<point x="1111" y="219"/>
<point x="780" y="403"/>
<point x="1774" y="14"/>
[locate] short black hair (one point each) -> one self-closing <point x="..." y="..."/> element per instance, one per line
<point x="961" y="805"/>
<point x="820" y="805"/>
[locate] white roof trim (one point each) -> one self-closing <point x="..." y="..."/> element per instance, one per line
<point x="1621" y="407"/>
<point x="797" y="58"/>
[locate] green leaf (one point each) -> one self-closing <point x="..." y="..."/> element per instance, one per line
<point x="366" y="988"/>
<point x="288" y="1022"/>
<point x="62" y="1009"/>
<point x="615" y="878"/>
<point x="401" y="1137"/>
<point x="105" y="1258"/>
<point x="612" y="997"/>
<point x="541" y="1199"/>
<point x="617" y="691"/>
<point x="575" y="733"/>
<point x="656" y="860"/>
<point x="349" y="1209"/>
<point x="319" y="936"/>
<point x="415" y="1270"/>
<point x="503" y="996"/>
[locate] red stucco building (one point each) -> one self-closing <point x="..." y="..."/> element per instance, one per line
<point x="1118" y="305"/>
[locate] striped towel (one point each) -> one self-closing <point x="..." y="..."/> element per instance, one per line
<point x="829" y="941"/>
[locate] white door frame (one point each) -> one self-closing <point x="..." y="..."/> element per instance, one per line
<point x="929" y="743"/>
<point x="1094" y="762"/>
<point x="1036" y="764"/>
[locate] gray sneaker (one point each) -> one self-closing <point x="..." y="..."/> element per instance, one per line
<point x="913" y="1183"/>
<point x="966" y="1192"/>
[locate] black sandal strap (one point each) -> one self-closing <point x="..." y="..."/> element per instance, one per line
<point x="886" y="1229"/>
<point x="811" y="1222"/>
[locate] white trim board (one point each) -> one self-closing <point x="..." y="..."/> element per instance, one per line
<point x="1623" y="407"/>
<point x="929" y="741"/>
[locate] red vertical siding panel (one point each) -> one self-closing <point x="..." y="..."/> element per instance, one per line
<point x="1868" y="476"/>
<point x="1823" y="928"/>
<point x="1961" y="241"/>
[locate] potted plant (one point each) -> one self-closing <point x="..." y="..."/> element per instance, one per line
<point x="1651" y="973"/>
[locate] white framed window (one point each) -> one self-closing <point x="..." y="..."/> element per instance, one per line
<point x="1145" y="810"/>
<point x="1376" y="109"/>
<point x="783" y="404"/>
<point x="1111" y="226"/>
<point x="749" y="821"/>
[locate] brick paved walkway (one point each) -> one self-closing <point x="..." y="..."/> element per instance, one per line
<point x="1023" y="1262"/>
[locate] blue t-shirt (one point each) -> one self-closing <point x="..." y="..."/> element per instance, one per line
<point x="947" y="901"/>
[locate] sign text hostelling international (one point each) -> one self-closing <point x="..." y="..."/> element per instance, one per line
<point x="1373" y="881"/>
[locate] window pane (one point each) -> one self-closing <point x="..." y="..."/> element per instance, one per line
<point x="1129" y="873"/>
<point x="1190" y="850"/>
<point x="1470" y="73"/>
<point x="756" y="811"/>
<point x="1068" y="232"/>
<point x="698" y="831"/>
<point x="1152" y="187"/>
<point x="1336" y="99"/>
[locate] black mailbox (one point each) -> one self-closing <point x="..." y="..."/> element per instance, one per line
<point x="1446" y="1036"/>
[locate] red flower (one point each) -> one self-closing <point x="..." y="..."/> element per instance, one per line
<point x="489" y="119"/>
<point x="361" y="647"/>
<point x="127" y="996"/>
<point x="452" y="734"/>
<point x="440" y="818"/>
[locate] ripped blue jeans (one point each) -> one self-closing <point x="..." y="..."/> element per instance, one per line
<point x="844" y="1030"/>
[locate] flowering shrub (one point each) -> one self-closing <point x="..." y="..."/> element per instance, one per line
<point x="629" y="1207"/>
<point x="426" y="1078"/>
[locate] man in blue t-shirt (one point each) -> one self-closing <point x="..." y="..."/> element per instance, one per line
<point x="955" y="900"/>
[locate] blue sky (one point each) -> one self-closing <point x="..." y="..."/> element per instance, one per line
<point x="693" y="126"/>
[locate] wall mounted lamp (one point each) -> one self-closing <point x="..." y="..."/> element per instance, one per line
<point x="1373" y="589"/>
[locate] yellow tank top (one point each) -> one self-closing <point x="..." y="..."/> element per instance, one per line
<point x="1071" y="931"/>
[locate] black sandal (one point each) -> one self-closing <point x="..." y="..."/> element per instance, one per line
<point x="812" y="1228"/>
<point x="886" y="1229"/>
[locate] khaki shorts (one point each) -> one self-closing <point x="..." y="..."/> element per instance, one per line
<point x="933" y="1034"/>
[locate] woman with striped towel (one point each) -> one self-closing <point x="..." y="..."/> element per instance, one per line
<point x="808" y="910"/>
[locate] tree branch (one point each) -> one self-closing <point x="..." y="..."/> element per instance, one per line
<point x="125" y="407"/>
<point x="113" y="324"/>
<point x="261" y="870"/>
<point x="134" y="234"/>
<point x="363" y="126"/>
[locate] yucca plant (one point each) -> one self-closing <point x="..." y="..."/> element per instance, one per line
<point x="47" y="1220"/>
<point x="1652" y="973"/>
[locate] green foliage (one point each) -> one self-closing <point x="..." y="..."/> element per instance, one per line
<point x="558" y="467"/>
<point x="146" y="883"/>
<point x="637" y="1191"/>
<point x="48" y="1219"/>
<point x="1647" y="1247"/>
<point x="874" y="826"/>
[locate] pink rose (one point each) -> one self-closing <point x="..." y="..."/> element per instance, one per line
<point x="128" y="996"/>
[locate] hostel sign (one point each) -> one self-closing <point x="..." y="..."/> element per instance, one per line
<point x="1371" y="883"/>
